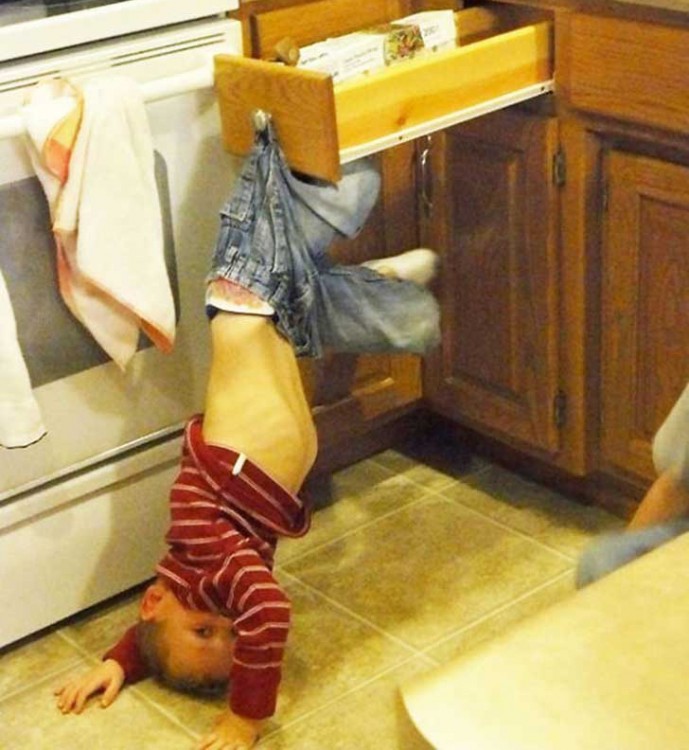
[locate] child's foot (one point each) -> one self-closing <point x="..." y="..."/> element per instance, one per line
<point x="419" y="266"/>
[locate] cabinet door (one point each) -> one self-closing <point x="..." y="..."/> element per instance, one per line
<point x="644" y="310"/>
<point x="494" y="219"/>
<point x="353" y="395"/>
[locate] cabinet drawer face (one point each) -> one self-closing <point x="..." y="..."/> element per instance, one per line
<point x="319" y="20"/>
<point x="628" y="70"/>
<point x="501" y="50"/>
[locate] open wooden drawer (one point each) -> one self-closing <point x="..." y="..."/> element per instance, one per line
<point x="504" y="56"/>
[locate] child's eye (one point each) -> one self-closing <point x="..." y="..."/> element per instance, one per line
<point x="204" y="632"/>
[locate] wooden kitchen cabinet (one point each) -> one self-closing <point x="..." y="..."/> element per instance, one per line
<point x="626" y="220"/>
<point x="644" y="360"/>
<point x="564" y="294"/>
<point x="491" y="209"/>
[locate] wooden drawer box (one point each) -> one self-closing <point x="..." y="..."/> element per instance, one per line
<point x="504" y="56"/>
<point x="628" y="70"/>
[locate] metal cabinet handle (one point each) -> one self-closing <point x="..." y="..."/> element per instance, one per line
<point x="426" y="178"/>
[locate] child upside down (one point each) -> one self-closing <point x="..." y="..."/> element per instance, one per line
<point x="215" y="615"/>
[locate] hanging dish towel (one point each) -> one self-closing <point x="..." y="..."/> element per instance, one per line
<point x="20" y="418"/>
<point x="92" y="151"/>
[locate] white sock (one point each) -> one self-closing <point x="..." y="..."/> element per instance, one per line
<point x="419" y="266"/>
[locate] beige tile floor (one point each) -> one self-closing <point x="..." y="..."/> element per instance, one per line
<point x="415" y="558"/>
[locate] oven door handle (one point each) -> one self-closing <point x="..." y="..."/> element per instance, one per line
<point x="201" y="78"/>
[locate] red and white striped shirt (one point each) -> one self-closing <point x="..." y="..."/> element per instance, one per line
<point x="226" y="517"/>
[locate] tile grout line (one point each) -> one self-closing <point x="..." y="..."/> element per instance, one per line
<point x="76" y="645"/>
<point x="506" y="527"/>
<point x="47" y="677"/>
<point x="450" y="478"/>
<point x="452" y="481"/>
<point x="92" y="657"/>
<point x="132" y="688"/>
<point x="159" y="708"/>
<point x="354" y="615"/>
<point x="429" y="491"/>
<point x="438" y="491"/>
<point x="430" y="495"/>
<point x="495" y="612"/>
<point x="349" y="532"/>
<point x="81" y="654"/>
<point x="351" y="691"/>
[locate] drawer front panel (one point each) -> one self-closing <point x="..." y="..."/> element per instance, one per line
<point x="311" y="23"/>
<point x="501" y="53"/>
<point x="407" y="95"/>
<point x="628" y="70"/>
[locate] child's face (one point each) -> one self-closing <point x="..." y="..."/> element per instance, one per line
<point x="201" y="644"/>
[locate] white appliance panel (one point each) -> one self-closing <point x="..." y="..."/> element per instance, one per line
<point x="34" y="27"/>
<point x="83" y="511"/>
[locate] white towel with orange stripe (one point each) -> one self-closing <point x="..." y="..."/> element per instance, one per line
<point x="92" y="150"/>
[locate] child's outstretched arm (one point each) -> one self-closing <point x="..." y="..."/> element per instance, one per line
<point x="106" y="677"/>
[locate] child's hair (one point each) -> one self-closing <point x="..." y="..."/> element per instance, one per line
<point x="150" y="638"/>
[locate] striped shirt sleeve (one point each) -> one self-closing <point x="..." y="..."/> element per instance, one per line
<point x="127" y="654"/>
<point x="262" y="614"/>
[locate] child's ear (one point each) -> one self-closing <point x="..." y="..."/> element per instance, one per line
<point x="150" y="602"/>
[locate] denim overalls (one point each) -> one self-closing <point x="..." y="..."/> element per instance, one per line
<point x="274" y="234"/>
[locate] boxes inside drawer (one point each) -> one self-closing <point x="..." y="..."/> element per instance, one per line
<point x="500" y="50"/>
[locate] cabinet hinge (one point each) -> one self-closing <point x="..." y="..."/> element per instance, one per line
<point x="559" y="168"/>
<point x="560" y="409"/>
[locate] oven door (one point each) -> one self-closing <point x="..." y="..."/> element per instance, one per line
<point x="93" y="412"/>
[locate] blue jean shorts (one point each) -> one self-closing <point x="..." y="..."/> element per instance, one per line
<point x="275" y="230"/>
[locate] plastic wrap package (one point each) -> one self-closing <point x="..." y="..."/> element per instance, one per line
<point x="374" y="48"/>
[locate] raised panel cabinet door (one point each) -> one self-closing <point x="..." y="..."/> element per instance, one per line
<point x="493" y="216"/>
<point x="644" y="306"/>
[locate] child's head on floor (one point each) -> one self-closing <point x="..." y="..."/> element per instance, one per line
<point x="187" y="649"/>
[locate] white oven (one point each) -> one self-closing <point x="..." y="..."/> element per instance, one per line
<point x="83" y="511"/>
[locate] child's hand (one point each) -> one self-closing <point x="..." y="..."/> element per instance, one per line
<point x="108" y="676"/>
<point x="231" y="732"/>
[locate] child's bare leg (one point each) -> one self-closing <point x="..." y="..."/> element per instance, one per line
<point x="255" y="401"/>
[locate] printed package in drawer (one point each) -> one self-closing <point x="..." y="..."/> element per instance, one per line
<point x="398" y="40"/>
<point x="372" y="49"/>
<point x="438" y="28"/>
<point x="344" y="56"/>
